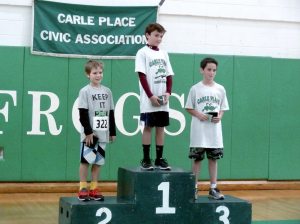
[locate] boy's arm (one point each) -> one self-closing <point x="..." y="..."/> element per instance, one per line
<point x="199" y="115"/>
<point x="169" y="84"/>
<point x="112" y="125"/>
<point x="168" y="89"/>
<point x="221" y="113"/>
<point x="145" y="85"/>
<point x="85" y="122"/>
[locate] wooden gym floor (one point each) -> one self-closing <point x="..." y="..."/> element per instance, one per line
<point x="37" y="203"/>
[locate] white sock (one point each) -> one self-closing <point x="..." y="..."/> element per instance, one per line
<point x="213" y="185"/>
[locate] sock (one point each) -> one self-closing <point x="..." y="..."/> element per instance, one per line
<point x="82" y="184"/>
<point x="159" y="151"/>
<point x="146" y="150"/>
<point x="94" y="185"/>
<point x="213" y="185"/>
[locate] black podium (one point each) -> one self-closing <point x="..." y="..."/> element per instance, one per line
<point x="155" y="197"/>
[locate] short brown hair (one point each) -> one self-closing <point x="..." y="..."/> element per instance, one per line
<point x="92" y="64"/>
<point x="154" y="26"/>
<point x="205" y="61"/>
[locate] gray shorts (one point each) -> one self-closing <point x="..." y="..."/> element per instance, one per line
<point x="211" y="153"/>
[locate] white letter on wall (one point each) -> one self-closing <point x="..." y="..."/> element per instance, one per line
<point x="37" y="113"/>
<point x="75" y="116"/>
<point x="4" y="110"/>
<point x="177" y="116"/>
<point x="119" y="115"/>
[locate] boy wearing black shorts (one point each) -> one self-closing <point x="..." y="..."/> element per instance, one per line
<point x="155" y="74"/>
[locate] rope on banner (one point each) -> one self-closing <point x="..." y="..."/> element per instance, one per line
<point x="161" y="2"/>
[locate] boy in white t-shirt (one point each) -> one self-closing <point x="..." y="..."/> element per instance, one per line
<point x="155" y="74"/>
<point x="206" y="103"/>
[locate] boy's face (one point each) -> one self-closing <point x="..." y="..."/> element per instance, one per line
<point x="95" y="76"/>
<point x="154" y="38"/>
<point x="209" y="72"/>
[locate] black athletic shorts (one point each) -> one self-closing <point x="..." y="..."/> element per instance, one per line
<point x="155" y="119"/>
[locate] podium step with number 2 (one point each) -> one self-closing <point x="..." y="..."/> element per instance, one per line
<point x="152" y="197"/>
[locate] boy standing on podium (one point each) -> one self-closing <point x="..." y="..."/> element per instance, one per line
<point x="155" y="75"/>
<point x="96" y="115"/>
<point x="206" y="103"/>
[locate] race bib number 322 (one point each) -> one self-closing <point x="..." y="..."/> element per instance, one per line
<point x="100" y="123"/>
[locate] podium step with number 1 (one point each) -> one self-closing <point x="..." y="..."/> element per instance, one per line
<point x="151" y="197"/>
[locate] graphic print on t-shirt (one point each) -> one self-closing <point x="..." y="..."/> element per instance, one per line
<point x="158" y="66"/>
<point x="208" y="103"/>
<point x="100" y="98"/>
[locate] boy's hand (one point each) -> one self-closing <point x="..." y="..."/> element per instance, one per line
<point x="202" y="117"/>
<point x="112" y="138"/>
<point x="154" y="101"/>
<point x="166" y="98"/>
<point x="215" y="119"/>
<point x="89" y="139"/>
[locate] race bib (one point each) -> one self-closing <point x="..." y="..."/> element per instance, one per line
<point x="100" y="123"/>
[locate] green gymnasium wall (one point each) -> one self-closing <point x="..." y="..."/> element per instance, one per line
<point x="261" y="130"/>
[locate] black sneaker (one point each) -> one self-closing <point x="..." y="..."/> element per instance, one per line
<point x="146" y="164"/>
<point x="215" y="194"/>
<point x="162" y="164"/>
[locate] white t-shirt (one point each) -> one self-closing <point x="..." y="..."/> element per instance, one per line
<point x="98" y="101"/>
<point x="156" y="66"/>
<point x="204" y="99"/>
